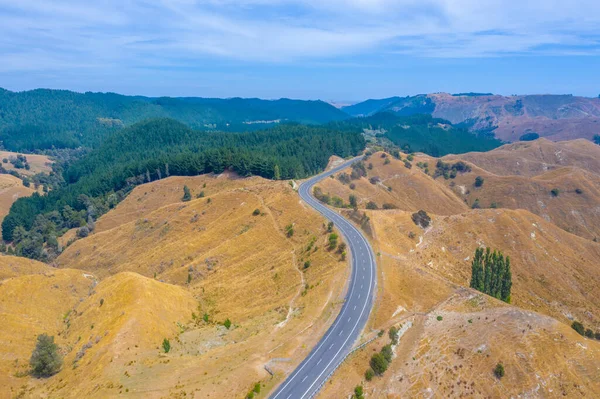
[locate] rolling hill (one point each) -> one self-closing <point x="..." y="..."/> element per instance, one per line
<point x="42" y="119"/>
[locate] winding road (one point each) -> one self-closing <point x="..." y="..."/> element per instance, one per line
<point x="308" y="378"/>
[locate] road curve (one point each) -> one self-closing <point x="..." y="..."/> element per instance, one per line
<point x="307" y="379"/>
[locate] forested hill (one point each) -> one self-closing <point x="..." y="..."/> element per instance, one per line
<point x="155" y="149"/>
<point x="419" y="133"/>
<point x="41" y="119"/>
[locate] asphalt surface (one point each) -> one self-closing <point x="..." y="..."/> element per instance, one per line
<point x="307" y="379"/>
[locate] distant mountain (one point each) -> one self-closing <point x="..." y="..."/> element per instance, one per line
<point x="42" y="118"/>
<point x="556" y="117"/>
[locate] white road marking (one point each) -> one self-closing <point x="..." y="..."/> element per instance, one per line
<point x="349" y="318"/>
<point x="319" y="361"/>
<point x="340" y="333"/>
<point x="304" y="379"/>
<point x="354" y="307"/>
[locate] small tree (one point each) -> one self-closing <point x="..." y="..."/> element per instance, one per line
<point x="369" y="374"/>
<point x="378" y="363"/>
<point x="358" y="390"/>
<point x="387" y="353"/>
<point x="45" y="360"/>
<point x="555" y="192"/>
<point x="187" y="195"/>
<point x="353" y="202"/>
<point x="166" y="345"/>
<point x="478" y="181"/>
<point x="499" y="370"/>
<point x="227" y="324"/>
<point x="393" y="333"/>
<point x="577" y="326"/>
<point x="371" y="205"/>
<point x="256" y="212"/>
<point x="589" y="333"/>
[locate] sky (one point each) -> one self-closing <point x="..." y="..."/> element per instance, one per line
<point x="332" y="50"/>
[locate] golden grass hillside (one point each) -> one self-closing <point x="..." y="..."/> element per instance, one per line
<point x="11" y="189"/>
<point x="34" y="299"/>
<point x="179" y="270"/>
<point x="575" y="208"/>
<point x="532" y="158"/>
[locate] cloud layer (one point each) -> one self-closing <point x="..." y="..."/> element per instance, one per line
<point x="49" y="36"/>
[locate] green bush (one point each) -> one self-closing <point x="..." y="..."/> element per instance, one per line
<point x="378" y="363"/>
<point x="499" y="370"/>
<point x="577" y="326"/>
<point x="227" y="324"/>
<point x="166" y="345"/>
<point x="387" y="353"/>
<point x="256" y="212"/>
<point x="555" y="192"/>
<point x="187" y="195"/>
<point x="45" y="360"/>
<point x="479" y="181"/>
<point x="393" y="333"/>
<point x="369" y="374"/>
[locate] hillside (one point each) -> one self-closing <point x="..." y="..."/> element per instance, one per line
<point x="40" y="119"/>
<point x="162" y="264"/>
<point x="559" y="167"/>
<point x="556" y="117"/>
<point x="453" y="337"/>
<point x="11" y="189"/>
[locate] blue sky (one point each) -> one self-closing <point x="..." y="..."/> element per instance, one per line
<point x="310" y="49"/>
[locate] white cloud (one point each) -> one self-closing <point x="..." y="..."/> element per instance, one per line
<point x="134" y="33"/>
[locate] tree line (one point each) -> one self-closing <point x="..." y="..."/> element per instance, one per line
<point x="156" y="149"/>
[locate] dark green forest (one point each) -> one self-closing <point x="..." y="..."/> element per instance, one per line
<point x="43" y="119"/>
<point x="155" y="149"/>
<point x="420" y="133"/>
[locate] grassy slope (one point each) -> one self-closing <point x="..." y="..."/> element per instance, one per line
<point x="242" y="267"/>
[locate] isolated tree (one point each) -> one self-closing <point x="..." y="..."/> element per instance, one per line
<point x="478" y="181"/>
<point x="353" y="201"/>
<point x="166" y="345"/>
<point x="499" y="370"/>
<point x="187" y="195"/>
<point x="555" y="192"/>
<point x="369" y="374"/>
<point x="45" y="360"/>
<point x="227" y="324"/>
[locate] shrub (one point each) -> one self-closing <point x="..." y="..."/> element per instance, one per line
<point x="577" y="326"/>
<point x="256" y="388"/>
<point x="378" y="363"/>
<point x="187" y="195"/>
<point x="83" y="232"/>
<point x="205" y="317"/>
<point x="374" y="180"/>
<point x="421" y="218"/>
<point x="476" y="204"/>
<point x="289" y="230"/>
<point x="479" y="181"/>
<point x="407" y="165"/>
<point x="352" y="186"/>
<point x="101" y="301"/>
<point x="166" y="345"/>
<point x="358" y="391"/>
<point x="597" y="335"/>
<point x="579" y="191"/>
<point x="499" y="370"/>
<point x="307" y="264"/>
<point x="250" y="395"/>
<point x="555" y="192"/>
<point x="371" y="205"/>
<point x="387" y="353"/>
<point x="227" y="324"/>
<point x="393" y="333"/>
<point x="410" y="157"/>
<point x="411" y="235"/>
<point x="389" y="206"/>
<point x="256" y="212"/>
<point x="353" y="201"/>
<point x="387" y="161"/>
<point x="369" y="374"/>
<point x="200" y="194"/>
<point x="589" y="333"/>
<point x="333" y="241"/>
<point x="45" y="359"/>
<point x="329" y="227"/>
<point x="439" y="318"/>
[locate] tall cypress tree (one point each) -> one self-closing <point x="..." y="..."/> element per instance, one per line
<point x="506" y="282"/>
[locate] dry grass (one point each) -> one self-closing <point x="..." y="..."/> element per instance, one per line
<point x="11" y="189"/>
<point x="37" y="163"/>
<point x="242" y="268"/>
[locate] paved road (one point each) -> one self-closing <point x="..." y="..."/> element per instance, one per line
<point x="337" y="342"/>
